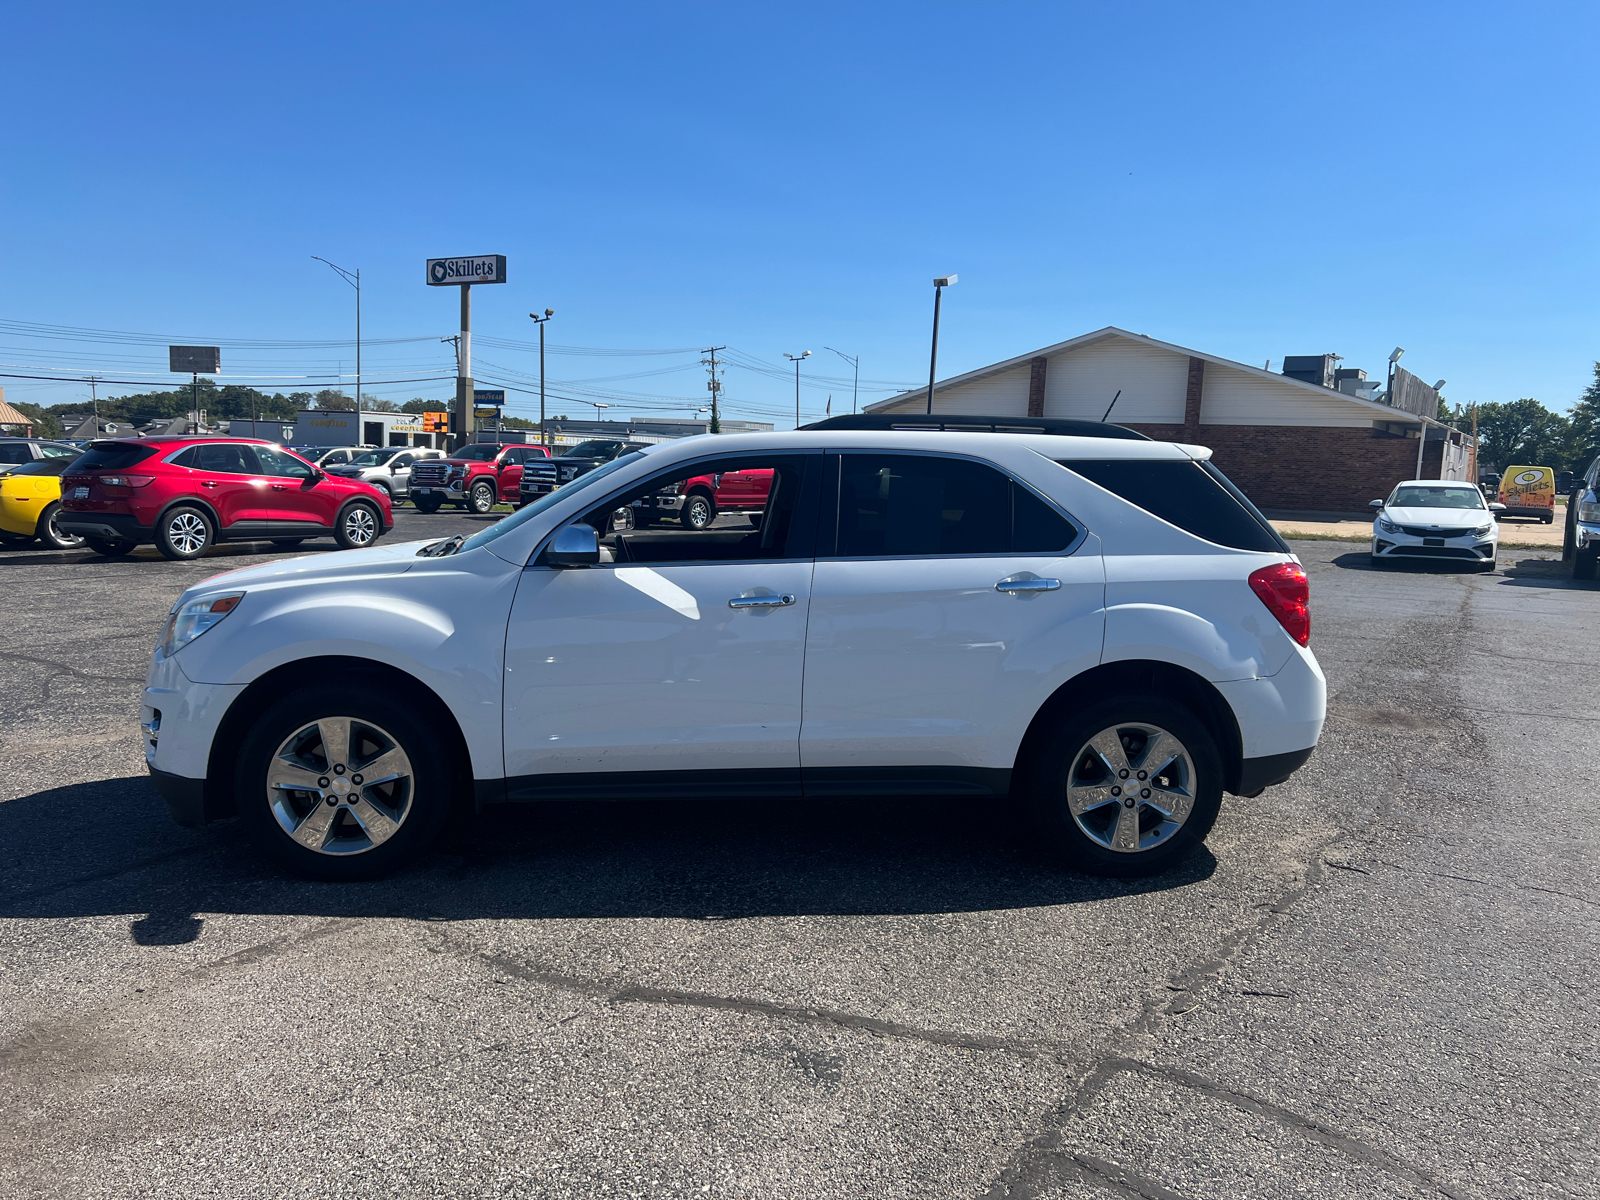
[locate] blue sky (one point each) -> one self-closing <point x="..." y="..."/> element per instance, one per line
<point x="1251" y="180"/>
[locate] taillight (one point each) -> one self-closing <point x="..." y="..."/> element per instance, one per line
<point x="126" y="480"/>
<point x="1286" y="592"/>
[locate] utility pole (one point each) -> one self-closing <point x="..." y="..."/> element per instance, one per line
<point x="539" y="321"/>
<point x="795" y="358"/>
<point x="715" y="387"/>
<point x="855" y="363"/>
<point x="94" y="405"/>
<point x="353" y="278"/>
<point x="939" y="285"/>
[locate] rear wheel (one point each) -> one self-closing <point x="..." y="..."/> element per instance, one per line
<point x="342" y="786"/>
<point x="359" y="526"/>
<point x="109" y="547"/>
<point x="184" y="532"/>
<point x="482" y="497"/>
<point x="51" y="535"/>
<point x="698" y="511"/>
<point x="1129" y="786"/>
<point x="427" y="504"/>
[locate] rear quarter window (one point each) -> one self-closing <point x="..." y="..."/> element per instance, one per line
<point x="1194" y="496"/>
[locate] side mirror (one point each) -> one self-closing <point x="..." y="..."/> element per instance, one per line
<point x="1375" y="504"/>
<point x="574" y="546"/>
<point x="1496" y="506"/>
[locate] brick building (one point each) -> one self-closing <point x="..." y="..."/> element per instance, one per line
<point x="1287" y="443"/>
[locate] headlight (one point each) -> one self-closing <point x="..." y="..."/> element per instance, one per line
<point x="1589" y="511"/>
<point x="1388" y="526"/>
<point x="188" y="621"/>
<point x="1483" y="530"/>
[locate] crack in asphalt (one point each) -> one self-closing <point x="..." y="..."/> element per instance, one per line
<point x="78" y="672"/>
<point x="640" y="994"/>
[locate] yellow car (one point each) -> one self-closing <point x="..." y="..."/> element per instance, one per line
<point x="30" y="501"/>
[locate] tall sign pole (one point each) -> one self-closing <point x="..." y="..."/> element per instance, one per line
<point x="939" y="285"/>
<point x="463" y="273"/>
<point x="544" y="438"/>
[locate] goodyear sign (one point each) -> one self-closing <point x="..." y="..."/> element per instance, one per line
<point x="480" y="268"/>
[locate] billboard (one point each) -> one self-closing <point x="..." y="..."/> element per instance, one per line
<point x="480" y="268"/>
<point x="192" y="360"/>
<point x="1411" y="395"/>
<point x="488" y="395"/>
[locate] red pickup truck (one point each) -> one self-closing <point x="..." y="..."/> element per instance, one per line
<point x="475" y="477"/>
<point x="695" y="502"/>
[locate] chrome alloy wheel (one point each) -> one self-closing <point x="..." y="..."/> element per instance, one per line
<point x="359" y="525"/>
<point x="187" y="532"/>
<point x="55" y="537"/>
<point x="1131" y="788"/>
<point x="340" y="786"/>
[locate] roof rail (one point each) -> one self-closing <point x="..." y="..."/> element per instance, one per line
<point x="1056" y="426"/>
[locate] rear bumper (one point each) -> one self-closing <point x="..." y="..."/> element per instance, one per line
<point x="1543" y="512"/>
<point x="115" y="526"/>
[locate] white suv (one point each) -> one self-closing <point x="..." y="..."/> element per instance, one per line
<point x="1105" y="630"/>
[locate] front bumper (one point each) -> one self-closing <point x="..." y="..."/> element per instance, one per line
<point x="452" y="495"/>
<point x="1586" y="535"/>
<point x="1460" y="549"/>
<point x="186" y="798"/>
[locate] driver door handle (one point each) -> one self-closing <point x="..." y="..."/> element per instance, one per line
<point x="1027" y="585"/>
<point x="280" y="487"/>
<point x="760" y="601"/>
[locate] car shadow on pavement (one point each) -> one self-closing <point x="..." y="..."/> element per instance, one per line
<point x="1361" y="560"/>
<point x="108" y="848"/>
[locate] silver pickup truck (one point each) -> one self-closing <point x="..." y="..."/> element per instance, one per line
<point x="389" y="468"/>
<point x="1581" y="546"/>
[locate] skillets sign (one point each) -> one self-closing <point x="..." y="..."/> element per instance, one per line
<point x="481" y="268"/>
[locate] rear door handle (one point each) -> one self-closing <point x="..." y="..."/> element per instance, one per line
<point x="208" y="483"/>
<point x="760" y="601"/>
<point x="1027" y="585"/>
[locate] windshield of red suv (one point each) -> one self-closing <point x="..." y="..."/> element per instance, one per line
<point x="113" y="456"/>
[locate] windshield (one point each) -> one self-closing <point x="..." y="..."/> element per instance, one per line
<point x="483" y="452"/>
<point x="374" y="458"/>
<point x="45" y="466"/>
<point x="1416" y="496"/>
<point x="507" y="524"/>
<point x="592" y="449"/>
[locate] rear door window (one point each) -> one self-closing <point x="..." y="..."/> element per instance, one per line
<point x="15" y="452"/>
<point x="1194" y="496"/>
<point x="226" y="459"/>
<point x="924" y="505"/>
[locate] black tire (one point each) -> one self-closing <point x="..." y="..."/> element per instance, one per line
<point x="419" y="806"/>
<point x="184" y="532"/>
<point x="754" y="519"/>
<point x="47" y="532"/>
<point x="1549" y="520"/>
<point x="287" y="543"/>
<point x="1569" y="536"/>
<point x="107" y="547"/>
<point x="643" y="519"/>
<point x="1584" y="562"/>
<point x="360" y="525"/>
<point x="1057" y="757"/>
<point x="699" y="510"/>
<point x="482" y="497"/>
<point x="427" y="504"/>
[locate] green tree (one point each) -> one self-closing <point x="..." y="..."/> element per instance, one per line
<point x="373" y="404"/>
<point x="419" y="405"/>
<point x="334" y="398"/>
<point x="1583" y="426"/>
<point x="45" y="424"/>
<point x="1521" y="432"/>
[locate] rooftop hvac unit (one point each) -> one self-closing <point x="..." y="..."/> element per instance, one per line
<point x="1311" y="368"/>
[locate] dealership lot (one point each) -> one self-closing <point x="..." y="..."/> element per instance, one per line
<point x="1378" y="981"/>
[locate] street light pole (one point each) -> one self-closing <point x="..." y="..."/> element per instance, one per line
<point x="795" y="358"/>
<point x="939" y="285"/>
<point x="353" y="278"/>
<point x="855" y="363"/>
<point x="539" y="321"/>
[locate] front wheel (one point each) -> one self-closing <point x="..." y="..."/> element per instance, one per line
<point x="358" y="527"/>
<point x="342" y="786"/>
<point x="482" y="497"/>
<point x="183" y="533"/>
<point x="1129" y="786"/>
<point x="50" y="534"/>
<point x="698" y="511"/>
<point x="427" y="504"/>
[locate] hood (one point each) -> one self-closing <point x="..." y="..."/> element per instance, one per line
<point x="1445" y="518"/>
<point x="332" y="564"/>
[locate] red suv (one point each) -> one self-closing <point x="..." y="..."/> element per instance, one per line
<point x="185" y="494"/>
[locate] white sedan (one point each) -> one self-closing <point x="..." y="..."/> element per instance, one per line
<point x="1435" y="518"/>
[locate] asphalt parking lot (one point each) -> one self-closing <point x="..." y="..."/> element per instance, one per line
<point x="1378" y="981"/>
